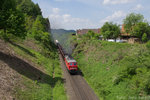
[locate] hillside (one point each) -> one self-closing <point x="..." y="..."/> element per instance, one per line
<point x="29" y="63"/>
<point x="26" y="74"/>
<point x="115" y="70"/>
<point x="61" y="31"/>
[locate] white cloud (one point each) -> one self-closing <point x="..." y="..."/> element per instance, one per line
<point x="115" y="17"/>
<point x="138" y="7"/>
<point x="66" y="21"/>
<point x="62" y="0"/>
<point x="89" y="2"/>
<point x="117" y="1"/>
<point x="56" y="10"/>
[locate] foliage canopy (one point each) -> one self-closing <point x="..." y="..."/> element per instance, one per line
<point x="131" y="20"/>
<point x="12" y="20"/>
<point x="140" y="28"/>
<point x="91" y="35"/>
<point x="110" y="30"/>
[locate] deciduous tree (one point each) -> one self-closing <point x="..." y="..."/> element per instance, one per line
<point x="110" y="30"/>
<point x="12" y="20"/>
<point x="139" y="29"/>
<point x="131" y="20"/>
<point x="144" y="37"/>
<point x="29" y="8"/>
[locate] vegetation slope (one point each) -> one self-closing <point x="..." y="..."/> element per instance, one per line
<point x="41" y="80"/>
<point x="115" y="71"/>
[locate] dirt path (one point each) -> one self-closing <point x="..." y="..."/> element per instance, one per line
<point x="77" y="88"/>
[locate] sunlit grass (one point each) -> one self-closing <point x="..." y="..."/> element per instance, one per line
<point x="49" y="87"/>
<point x="114" y="70"/>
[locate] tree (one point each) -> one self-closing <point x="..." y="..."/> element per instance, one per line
<point x="6" y="6"/>
<point x="12" y="21"/>
<point x="148" y="45"/>
<point x="16" y="24"/>
<point x="45" y="39"/>
<point x="29" y="8"/>
<point x="28" y="23"/>
<point x="144" y="37"/>
<point x="38" y="28"/>
<point x="37" y="10"/>
<point x="139" y="29"/>
<point x="110" y="30"/>
<point x="131" y="20"/>
<point x="40" y="24"/>
<point x="39" y="31"/>
<point x="91" y="35"/>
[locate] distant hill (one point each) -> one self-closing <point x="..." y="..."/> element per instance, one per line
<point x="64" y="38"/>
<point x="61" y="31"/>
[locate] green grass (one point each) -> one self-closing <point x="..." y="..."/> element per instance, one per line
<point x="115" y="70"/>
<point x="50" y="86"/>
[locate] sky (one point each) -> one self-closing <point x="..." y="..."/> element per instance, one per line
<point x="81" y="14"/>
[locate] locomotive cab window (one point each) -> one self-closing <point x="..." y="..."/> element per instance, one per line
<point x="75" y="63"/>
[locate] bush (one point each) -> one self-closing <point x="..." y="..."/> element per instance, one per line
<point x="148" y="44"/>
<point x="144" y="37"/>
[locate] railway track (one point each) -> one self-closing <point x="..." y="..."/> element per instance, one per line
<point x="76" y="86"/>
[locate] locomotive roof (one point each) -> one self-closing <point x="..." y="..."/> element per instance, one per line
<point x="70" y="59"/>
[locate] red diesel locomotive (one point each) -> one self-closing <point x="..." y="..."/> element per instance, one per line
<point x="71" y="63"/>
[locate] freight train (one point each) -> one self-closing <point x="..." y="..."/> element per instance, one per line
<point x="70" y="62"/>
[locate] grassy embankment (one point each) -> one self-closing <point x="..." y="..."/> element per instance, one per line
<point x="49" y="85"/>
<point x="115" y="70"/>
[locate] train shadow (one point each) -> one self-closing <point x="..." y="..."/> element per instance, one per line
<point x="79" y="72"/>
<point x="24" y="68"/>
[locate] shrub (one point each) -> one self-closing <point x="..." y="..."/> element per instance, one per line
<point x="148" y="44"/>
<point x="144" y="37"/>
